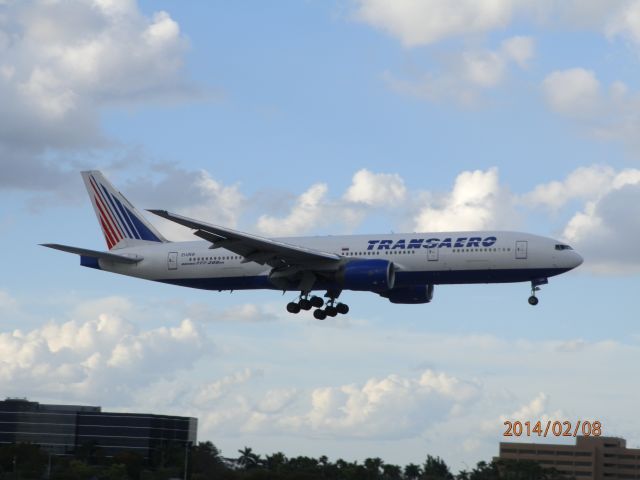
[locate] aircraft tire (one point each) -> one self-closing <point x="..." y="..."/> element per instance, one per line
<point x="533" y="300"/>
<point x="316" y="302"/>
<point x="342" y="308"/>
<point x="331" y="311"/>
<point x="319" y="314"/>
<point x="293" y="307"/>
<point x="305" y="304"/>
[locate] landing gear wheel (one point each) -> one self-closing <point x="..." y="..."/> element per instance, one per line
<point x="316" y="302"/>
<point x="342" y="308"/>
<point x="331" y="311"/>
<point x="319" y="314"/>
<point x="293" y="307"/>
<point x="305" y="304"/>
<point x="533" y="300"/>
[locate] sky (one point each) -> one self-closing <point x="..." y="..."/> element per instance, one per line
<point x="326" y="117"/>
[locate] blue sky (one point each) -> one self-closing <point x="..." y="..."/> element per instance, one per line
<point x="324" y="117"/>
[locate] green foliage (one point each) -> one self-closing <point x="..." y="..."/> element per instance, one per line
<point x="26" y="462"/>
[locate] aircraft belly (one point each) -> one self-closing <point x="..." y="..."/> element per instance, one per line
<point x="461" y="276"/>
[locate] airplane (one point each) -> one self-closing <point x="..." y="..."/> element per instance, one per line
<point x="403" y="268"/>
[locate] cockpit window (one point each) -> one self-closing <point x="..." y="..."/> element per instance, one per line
<point x="560" y="246"/>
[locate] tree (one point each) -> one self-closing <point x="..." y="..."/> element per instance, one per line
<point x="373" y="466"/>
<point x="132" y="462"/>
<point x="435" y="469"/>
<point x="205" y="461"/>
<point x="463" y="475"/>
<point x="485" y="471"/>
<point x="412" y="471"/>
<point x="391" y="472"/>
<point x="25" y="459"/>
<point x="248" y="460"/>
<point x="276" y="462"/>
<point x="524" y="470"/>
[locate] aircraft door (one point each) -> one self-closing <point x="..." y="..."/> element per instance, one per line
<point x="432" y="254"/>
<point x="172" y="260"/>
<point x="521" y="249"/>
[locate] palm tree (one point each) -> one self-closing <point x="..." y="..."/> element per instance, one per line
<point x="436" y="469"/>
<point x="484" y="471"/>
<point x="373" y="466"/>
<point x="391" y="472"/>
<point x="276" y="462"/>
<point x="205" y="459"/>
<point x="412" y="471"/>
<point x="248" y="459"/>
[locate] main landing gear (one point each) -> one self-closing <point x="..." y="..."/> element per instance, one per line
<point x="307" y="303"/>
<point x="535" y="287"/>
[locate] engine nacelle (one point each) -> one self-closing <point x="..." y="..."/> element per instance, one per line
<point x="413" y="294"/>
<point x="367" y="275"/>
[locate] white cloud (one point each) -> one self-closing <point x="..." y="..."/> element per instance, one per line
<point x="607" y="229"/>
<point x="573" y="92"/>
<point x="312" y="209"/>
<point x="463" y="76"/>
<point x="275" y="400"/>
<point x="607" y="222"/>
<point x="584" y="183"/>
<point x="376" y="189"/>
<point x="307" y="212"/>
<point x="532" y="411"/>
<point x="625" y="22"/>
<point x="606" y="112"/>
<point x="519" y="49"/>
<point x="243" y="312"/>
<point x="7" y="302"/>
<point x="211" y="393"/>
<point x="428" y="407"/>
<point x="417" y="22"/>
<point x="536" y="410"/>
<point x="193" y="193"/>
<point x="391" y="407"/>
<point x="388" y="407"/>
<point x="61" y="62"/>
<point x="477" y="202"/>
<point x="104" y="358"/>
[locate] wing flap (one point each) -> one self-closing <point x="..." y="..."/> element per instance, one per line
<point x="112" y="257"/>
<point x="253" y="247"/>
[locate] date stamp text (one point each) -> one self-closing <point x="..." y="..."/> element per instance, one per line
<point x="555" y="428"/>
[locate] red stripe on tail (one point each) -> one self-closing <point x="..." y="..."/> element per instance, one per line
<point x="117" y="234"/>
<point x="107" y="235"/>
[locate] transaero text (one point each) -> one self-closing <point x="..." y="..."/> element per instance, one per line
<point x="449" y="242"/>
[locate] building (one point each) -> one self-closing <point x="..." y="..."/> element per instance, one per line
<point x="66" y="429"/>
<point x="593" y="458"/>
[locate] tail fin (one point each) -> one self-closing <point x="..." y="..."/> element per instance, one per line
<point x="122" y="224"/>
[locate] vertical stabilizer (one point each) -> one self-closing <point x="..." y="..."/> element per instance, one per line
<point x="122" y="224"/>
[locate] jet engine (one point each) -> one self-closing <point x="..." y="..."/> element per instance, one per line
<point x="367" y="275"/>
<point x="412" y="294"/>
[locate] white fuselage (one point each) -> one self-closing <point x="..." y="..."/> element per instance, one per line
<point x="418" y="258"/>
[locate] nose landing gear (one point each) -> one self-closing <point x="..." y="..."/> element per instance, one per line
<point x="535" y="287"/>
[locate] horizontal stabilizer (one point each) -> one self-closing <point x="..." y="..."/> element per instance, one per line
<point x="112" y="257"/>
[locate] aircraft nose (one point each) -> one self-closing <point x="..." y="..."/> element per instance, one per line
<point x="577" y="259"/>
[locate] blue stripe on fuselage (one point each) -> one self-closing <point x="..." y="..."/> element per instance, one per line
<point x="403" y="279"/>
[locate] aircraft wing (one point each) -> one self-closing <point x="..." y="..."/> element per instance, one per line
<point x="94" y="253"/>
<point x="252" y="247"/>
